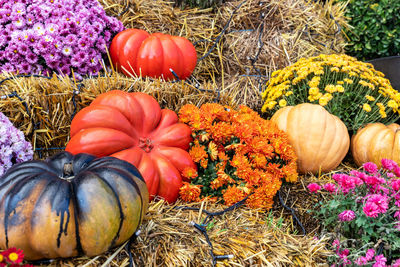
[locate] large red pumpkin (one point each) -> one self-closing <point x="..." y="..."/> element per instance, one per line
<point x="133" y="127"/>
<point x="135" y="52"/>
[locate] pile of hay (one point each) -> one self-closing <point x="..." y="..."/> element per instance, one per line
<point x="264" y="36"/>
<point x="242" y="42"/>
<point x="253" y="238"/>
<point x="44" y="107"/>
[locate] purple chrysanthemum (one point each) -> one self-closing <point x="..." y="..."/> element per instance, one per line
<point x="13" y="146"/>
<point x="55" y="32"/>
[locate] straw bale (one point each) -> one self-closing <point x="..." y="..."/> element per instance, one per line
<point x="51" y="106"/>
<point x="276" y="32"/>
<point x="255" y="238"/>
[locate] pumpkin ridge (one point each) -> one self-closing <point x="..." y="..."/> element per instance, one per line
<point x="372" y="154"/>
<point x="76" y="217"/>
<point x="333" y="136"/>
<point x="323" y="132"/>
<point x="159" y="166"/>
<point x="393" y="143"/>
<point x="121" y="213"/>
<point x="42" y="195"/>
<point x="11" y="194"/>
<point x="337" y="155"/>
<point x="122" y="175"/>
<point x="87" y="118"/>
<point x="20" y="176"/>
<point x="105" y="160"/>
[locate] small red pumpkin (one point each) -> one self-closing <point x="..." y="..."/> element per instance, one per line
<point x="133" y="127"/>
<point x="136" y="52"/>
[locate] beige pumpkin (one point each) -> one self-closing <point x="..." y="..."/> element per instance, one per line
<point x="320" y="139"/>
<point x="375" y="142"/>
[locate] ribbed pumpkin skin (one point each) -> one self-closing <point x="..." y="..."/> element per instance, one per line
<point x="133" y="127"/>
<point x="375" y="142"/>
<point x="135" y="52"/>
<point x="49" y="216"/>
<point x="320" y="139"/>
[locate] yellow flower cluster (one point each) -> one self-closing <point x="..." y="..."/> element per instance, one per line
<point x="331" y="81"/>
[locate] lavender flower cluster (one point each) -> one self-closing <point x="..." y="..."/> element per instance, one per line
<point x="54" y="36"/>
<point x="13" y="147"/>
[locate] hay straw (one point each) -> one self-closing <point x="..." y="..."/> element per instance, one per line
<point x="50" y="102"/>
<point x="277" y="33"/>
<point x="253" y="237"/>
<point x="291" y="29"/>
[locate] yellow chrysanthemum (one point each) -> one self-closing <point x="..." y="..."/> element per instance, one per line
<point x="370" y="98"/>
<point x="282" y="103"/>
<point x="392" y="104"/>
<point x="335" y="69"/>
<point x="330" y="88"/>
<point x="314" y="81"/>
<point x="313" y="91"/>
<point x="367" y="107"/>
<point x="348" y="81"/>
<point x="323" y="101"/>
<point x="288" y="93"/>
<point x="339" y="88"/>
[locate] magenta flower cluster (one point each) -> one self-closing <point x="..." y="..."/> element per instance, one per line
<point x="46" y="36"/>
<point x="365" y="207"/>
<point x="13" y="147"/>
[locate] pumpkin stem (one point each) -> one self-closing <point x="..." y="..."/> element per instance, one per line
<point x="68" y="170"/>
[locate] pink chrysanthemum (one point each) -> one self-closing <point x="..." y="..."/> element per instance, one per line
<point x="314" y="187"/>
<point x="371" y="210"/>
<point x="330" y="187"/>
<point x="347" y="216"/>
<point x="370" y="167"/>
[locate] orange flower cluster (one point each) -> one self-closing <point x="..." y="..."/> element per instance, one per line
<point x="238" y="154"/>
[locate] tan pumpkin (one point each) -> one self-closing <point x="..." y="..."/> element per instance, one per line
<point x="375" y="142"/>
<point x="320" y="139"/>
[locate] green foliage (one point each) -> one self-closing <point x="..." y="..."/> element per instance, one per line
<point x="198" y="3"/>
<point x="376" y="28"/>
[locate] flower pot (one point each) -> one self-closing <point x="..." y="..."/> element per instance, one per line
<point x="390" y="66"/>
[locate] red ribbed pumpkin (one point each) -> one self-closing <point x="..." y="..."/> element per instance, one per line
<point x="135" y="52"/>
<point x="133" y="127"/>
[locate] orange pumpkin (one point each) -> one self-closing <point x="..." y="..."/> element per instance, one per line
<point x="375" y="142"/>
<point x="320" y="139"/>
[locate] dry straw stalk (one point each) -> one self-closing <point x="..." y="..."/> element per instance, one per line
<point x="253" y="237"/>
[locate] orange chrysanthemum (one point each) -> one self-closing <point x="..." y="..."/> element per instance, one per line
<point x="198" y="152"/>
<point x="236" y="152"/>
<point x="222" y="156"/>
<point x="213" y="150"/>
<point x="189" y="172"/>
<point x="204" y="163"/>
<point x="189" y="192"/>
<point x="232" y="195"/>
<point x="187" y="112"/>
